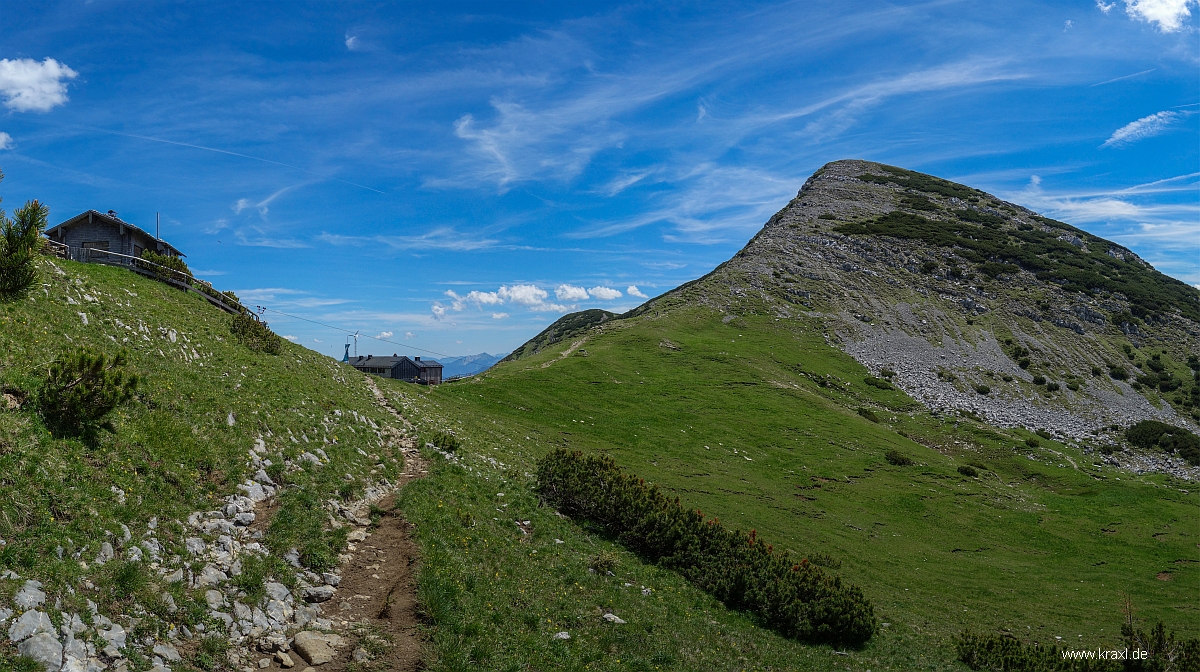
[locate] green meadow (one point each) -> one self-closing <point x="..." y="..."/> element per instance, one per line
<point x="756" y="421"/>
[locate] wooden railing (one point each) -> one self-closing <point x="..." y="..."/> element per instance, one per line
<point x="170" y="276"/>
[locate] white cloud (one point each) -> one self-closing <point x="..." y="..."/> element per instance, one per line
<point x="409" y="334"/>
<point x="438" y="310"/>
<point x="29" y="86"/>
<point x="352" y="42"/>
<point x="5" y="141"/>
<point x="570" y="293"/>
<point x="241" y="205"/>
<point x="1035" y="180"/>
<point x="633" y="290"/>
<point x="1168" y="14"/>
<point x="499" y="316"/>
<point x="317" y="340"/>
<point x="291" y="338"/>
<point x="526" y="295"/>
<point x="1103" y="7"/>
<point x="604" y="293"/>
<point x="1146" y="127"/>
<point x="384" y="334"/>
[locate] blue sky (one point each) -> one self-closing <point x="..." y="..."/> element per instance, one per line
<point x="457" y="178"/>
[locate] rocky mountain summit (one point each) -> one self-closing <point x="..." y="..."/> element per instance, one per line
<point x="968" y="303"/>
<point x="949" y="321"/>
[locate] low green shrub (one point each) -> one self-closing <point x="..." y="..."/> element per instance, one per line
<point x="1044" y="434"/>
<point x="1039" y="380"/>
<point x="255" y="334"/>
<point x="797" y="599"/>
<point x="1118" y="373"/>
<point x="1073" y="386"/>
<point x="1032" y="442"/>
<point x="162" y="264"/>
<point x="897" y="458"/>
<point x="824" y="560"/>
<point x="868" y="414"/>
<point x="1024" y="362"/>
<point x="1052" y="387"/>
<point x="604" y="562"/>
<point x="1162" y="652"/>
<point x="81" y="389"/>
<point x="446" y="441"/>
<point x="983" y="389"/>
<point x="878" y="382"/>
<point x="968" y="471"/>
<point x="1168" y="438"/>
<point x="887" y="373"/>
<point x="827" y="215"/>
<point x="929" y="267"/>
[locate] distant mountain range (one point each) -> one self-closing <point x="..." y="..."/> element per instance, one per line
<point x="468" y="365"/>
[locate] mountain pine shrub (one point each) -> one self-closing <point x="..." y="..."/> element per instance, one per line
<point x="868" y="414"/>
<point x="968" y="471"/>
<point x="1169" y="438"/>
<point x="20" y="241"/>
<point x="897" y="458"/>
<point x="255" y="334"/>
<point x="81" y="389"/>
<point x="797" y="599"/>
<point x="1004" y="652"/>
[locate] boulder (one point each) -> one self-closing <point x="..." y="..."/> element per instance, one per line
<point x="167" y="651"/>
<point x="317" y="648"/>
<point x="214" y="598"/>
<point x="278" y="591"/>
<point x="30" y="595"/>
<point x="45" y="648"/>
<point x="211" y="576"/>
<point x="319" y="593"/>
<point x="30" y="623"/>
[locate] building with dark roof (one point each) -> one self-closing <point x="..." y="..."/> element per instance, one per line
<point x="412" y="370"/>
<point x="93" y="230"/>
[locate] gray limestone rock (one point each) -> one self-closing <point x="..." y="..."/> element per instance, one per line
<point x="331" y="578"/>
<point x="214" y="598"/>
<point x="30" y="623"/>
<point x="167" y="651"/>
<point x="106" y="553"/>
<point x="45" y="648"/>
<point x="211" y="576"/>
<point x="195" y="545"/>
<point x="317" y="648"/>
<point x="319" y="593"/>
<point x="243" y="519"/>
<point x="30" y="595"/>
<point x="175" y="576"/>
<point x="278" y="591"/>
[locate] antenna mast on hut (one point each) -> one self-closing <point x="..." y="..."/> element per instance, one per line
<point x="157" y="227"/>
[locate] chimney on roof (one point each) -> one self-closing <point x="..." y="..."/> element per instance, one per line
<point x="370" y="356"/>
<point x="112" y="213"/>
<point x="393" y="354"/>
<point x="417" y="358"/>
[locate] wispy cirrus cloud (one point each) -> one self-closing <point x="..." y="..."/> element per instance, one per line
<point x="440" y="238"/>
<point x="257" y="238"/>
<point x="1146" y="127"/>
<point x="1159" y="219"/>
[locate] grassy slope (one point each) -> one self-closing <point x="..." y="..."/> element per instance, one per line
<point x="173" y="451"/>
<point x="1031" y="547"/>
